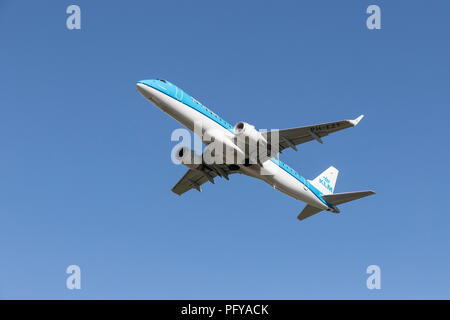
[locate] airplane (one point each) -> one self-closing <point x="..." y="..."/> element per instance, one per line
<point x="318" y="194"/>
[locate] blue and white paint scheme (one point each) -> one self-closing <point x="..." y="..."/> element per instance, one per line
<point x="318" y="193"/>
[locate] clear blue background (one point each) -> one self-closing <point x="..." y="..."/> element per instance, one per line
<point x="85" y="164"/>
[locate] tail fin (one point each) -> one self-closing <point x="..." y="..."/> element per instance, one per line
<point x="326" y="181"/>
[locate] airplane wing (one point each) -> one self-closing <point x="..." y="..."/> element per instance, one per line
<point x="289" y="138"/>
<point x="194" y="178"/>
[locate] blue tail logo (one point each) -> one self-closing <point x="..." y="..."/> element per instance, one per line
<point x="326" y="183"/>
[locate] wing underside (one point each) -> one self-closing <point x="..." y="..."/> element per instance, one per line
<point x="289" y="138"/>
<point x="194" y="178"/>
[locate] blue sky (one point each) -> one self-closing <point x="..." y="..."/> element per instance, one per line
<point x="86" y="171"/>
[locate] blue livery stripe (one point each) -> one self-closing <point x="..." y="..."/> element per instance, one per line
<point x="176" y="93"/>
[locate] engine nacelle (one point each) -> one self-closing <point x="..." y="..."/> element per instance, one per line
<point x="247" y="131"/>
<point x="188" y="158"/>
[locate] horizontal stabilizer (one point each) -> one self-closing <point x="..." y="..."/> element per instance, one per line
<point x="339" y="198"/>
<point x="308" y="212"/>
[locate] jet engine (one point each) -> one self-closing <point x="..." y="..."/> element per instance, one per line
<point x="252" y="141"/>
<point x="247" y="131"/>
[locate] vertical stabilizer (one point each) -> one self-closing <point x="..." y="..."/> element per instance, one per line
<point x="326" y="181"/>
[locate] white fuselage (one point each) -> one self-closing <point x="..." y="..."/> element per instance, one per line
<point x="273" y="175"/>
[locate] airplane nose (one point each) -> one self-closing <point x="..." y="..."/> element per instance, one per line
<point x="140" y="87"/>
<point x="145" y="87"/>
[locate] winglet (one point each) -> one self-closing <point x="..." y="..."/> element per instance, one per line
<point x="357" y="120"/>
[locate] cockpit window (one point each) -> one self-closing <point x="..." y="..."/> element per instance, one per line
<point x="161" y="80"/>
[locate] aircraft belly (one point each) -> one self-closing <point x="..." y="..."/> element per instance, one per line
<point x="284" y="182"/>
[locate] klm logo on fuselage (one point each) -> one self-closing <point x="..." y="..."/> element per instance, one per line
<point x="326" y="183"/>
